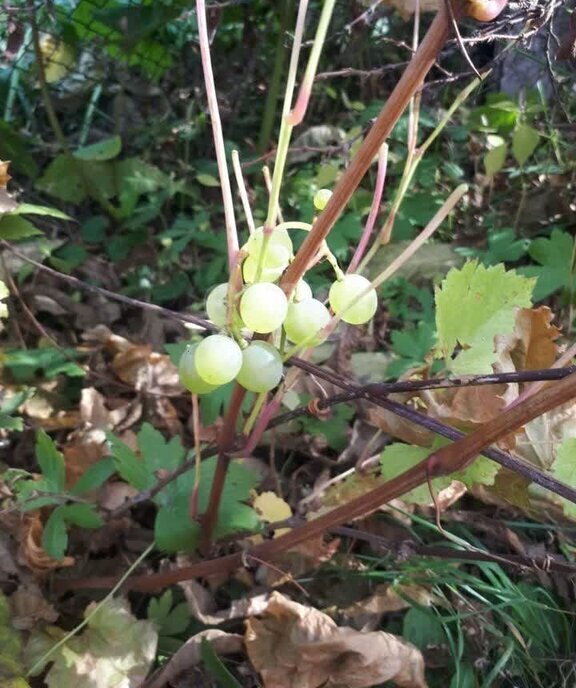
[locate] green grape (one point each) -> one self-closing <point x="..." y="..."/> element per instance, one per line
<point x="263" y="307"/>
<point x="216" y="305"/>
<point x="321" y="198"/>
<point x="189" y="376"/>
<point x="276" y="260"/>
<point x="347" y="290"/>
<point x="302" y="291"/>
<point x="250" y="267"/>
<point x="218" y="359"/>
<point x="278" y="237"/>
<point x="304" y="319"/>
<point x="261" y="367"/>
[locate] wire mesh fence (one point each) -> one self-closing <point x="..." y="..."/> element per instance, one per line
<point x="73" y="49"/>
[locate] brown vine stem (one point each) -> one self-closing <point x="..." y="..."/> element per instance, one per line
<point x="442" y="462"/>
<point x="225" y="446"/>
<point x="407" y="86"/>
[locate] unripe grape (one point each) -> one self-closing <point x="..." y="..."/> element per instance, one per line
<point x="263" y="307"/>
<point x="275" y="262"/>
<point x="216" y="307"/>
<point x="321" y="198"/>
<point x="189" y="376"/>
<point x="278" y="238"/>
<point x="304" y="319"/>
<point x="261" y="367"/>
<point x="218" y="359"/>
<point x="345" y="291"/>
<point x="302" y="291"/>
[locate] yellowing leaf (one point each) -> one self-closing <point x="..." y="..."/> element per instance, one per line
<point x="473" y="305"/>
<point x="116" y="650"/>
<point x="59" y="58"/>
<point x="271" y="508"/>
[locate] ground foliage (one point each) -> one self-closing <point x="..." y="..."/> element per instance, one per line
<point x="114" y="182"/>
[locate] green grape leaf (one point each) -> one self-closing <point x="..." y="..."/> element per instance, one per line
<point x="174" y="530"/>
<point x="51" y="462"/>
<point x="81" y="515"/>
<point x="525" y="140"/>
<point x="157" y="453"/>
<point x="128" y="465"/>
<point x="554" y="254"/>
<point x="473" y="304"/>
<point x="564" y="469"/>
<point x="482" y="471"/>
<point x="54" y="535"/>
<point x="14" y="228"/>
<point x="397" y="458"/>
<point x="94" y="476"/>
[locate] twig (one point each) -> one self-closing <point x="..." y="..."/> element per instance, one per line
<point x="182" y="317"/>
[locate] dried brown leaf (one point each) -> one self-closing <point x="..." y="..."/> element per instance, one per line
<point x="189" y="655"/>
<point x="31" y="552"/>
<point x="4" y="176"/>
<point x="293" y="645"/>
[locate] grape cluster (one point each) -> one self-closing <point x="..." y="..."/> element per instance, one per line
<point x="263" y="308"/>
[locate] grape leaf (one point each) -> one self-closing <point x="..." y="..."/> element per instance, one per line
<point x="564" y="469"/>
<point x="554" y="254"/>
<point x="397" y="458"/>
<point x="473" y="304"/>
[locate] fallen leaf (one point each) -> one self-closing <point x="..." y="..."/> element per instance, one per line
<point x="29" y="606"/>
<point x="386" y="599"/>
<point x="31" y="552"/>
<point x="115" y="649"/>
<point x="293" y="645"/>
<point x="189" y="655"/>
<point x="4" y="176"/>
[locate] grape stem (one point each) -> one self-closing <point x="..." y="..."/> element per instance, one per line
<point x="410" y="82"/>
<point x="228" y="203"/>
